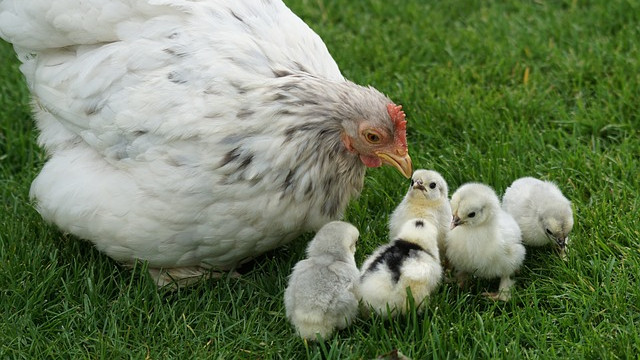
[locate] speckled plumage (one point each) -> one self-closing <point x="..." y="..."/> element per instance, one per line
<point x="542" y="212"/>
<point x="411" y="260"/>
<point x="193" y="134"/>
<point x="322" y="292"/>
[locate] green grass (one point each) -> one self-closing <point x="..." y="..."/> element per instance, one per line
<point x="458" y="67"/>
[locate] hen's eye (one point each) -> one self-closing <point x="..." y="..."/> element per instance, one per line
<point x="432" y="185"/>
<point x="372" y="137"/>
<point x="472" y="214"/>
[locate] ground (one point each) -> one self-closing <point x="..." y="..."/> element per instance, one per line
<point x="493" y="91"/>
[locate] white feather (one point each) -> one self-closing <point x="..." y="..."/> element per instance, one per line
<point x="542" y="212"/>
<point x="485" y="240"/>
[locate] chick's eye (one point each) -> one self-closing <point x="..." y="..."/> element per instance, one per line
<point x="432" y="185"/>
<point x="472" y="214"/>
<point x="372" y="137"/>
<point x="549" y="232"/>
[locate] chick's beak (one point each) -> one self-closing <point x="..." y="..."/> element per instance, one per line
<point x="419" y="185"/>
<point x="455" y="222"/>
<point x="562" y="242"/>
<point x="399" y="160"/>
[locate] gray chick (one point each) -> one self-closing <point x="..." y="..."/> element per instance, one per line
<point x="321" y="295"/>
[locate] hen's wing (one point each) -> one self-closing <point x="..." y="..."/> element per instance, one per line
<point x="149" y="108"/>
<point x="128" y="76"/>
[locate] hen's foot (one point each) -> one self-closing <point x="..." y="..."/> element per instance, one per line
<point x="185" y="276"/>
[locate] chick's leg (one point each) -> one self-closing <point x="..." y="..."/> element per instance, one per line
<point x="504" y="290"/>
<point x="462" y="278"/>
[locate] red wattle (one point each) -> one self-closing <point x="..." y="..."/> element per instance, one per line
<point x="371" y="161"/>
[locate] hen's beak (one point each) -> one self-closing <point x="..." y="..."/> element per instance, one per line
<point x="402" y="162"/>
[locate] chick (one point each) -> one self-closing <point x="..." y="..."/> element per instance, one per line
<point x="321" y="295"/>
<point x="484" y="240"/>
<point x="543" y="213"/>
<point x="410" y="261"/>
<point x="427" y="198"/>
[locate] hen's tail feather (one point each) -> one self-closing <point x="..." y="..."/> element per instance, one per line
<point x="45" y="24"/>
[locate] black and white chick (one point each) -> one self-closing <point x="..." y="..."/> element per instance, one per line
<point x="484" y="240"/>
<point x="411" y="261"/>
<point x="322" y="292"/>
<point x="541" y="210"/>
<point x="427" y="198"/>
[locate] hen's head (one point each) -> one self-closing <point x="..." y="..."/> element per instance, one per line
<point x="370" y="127"/>
<point x="378" y="135"/>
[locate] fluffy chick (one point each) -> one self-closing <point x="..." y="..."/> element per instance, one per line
<point x="427" y="198"/>
<point x="411" y="261"/>
<point x="484" y="240"/>
<point x="543" y="213"/>
<point x="321" y="295"/>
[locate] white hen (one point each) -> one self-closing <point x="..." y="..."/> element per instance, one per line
<point x="427" y="198"/>
<point x="484" y="240"/>
<point x="543" y="213"/>
<point x="193" y="134"/>
<point x="322" y="291"/>
<point x="410" y="261"/>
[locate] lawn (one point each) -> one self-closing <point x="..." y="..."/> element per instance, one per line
<point x="493" y="91"/>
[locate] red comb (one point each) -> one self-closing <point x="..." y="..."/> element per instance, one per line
<point x="397" y="116"/>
